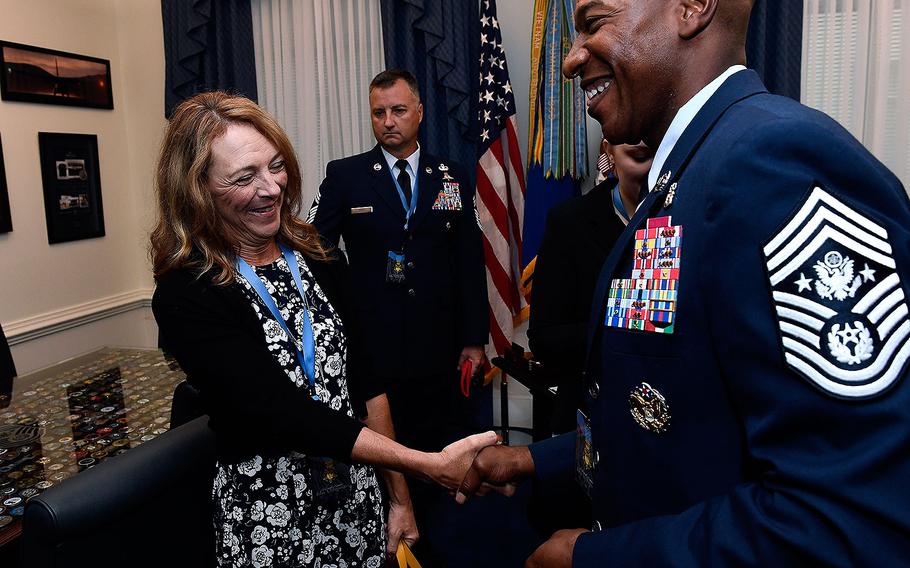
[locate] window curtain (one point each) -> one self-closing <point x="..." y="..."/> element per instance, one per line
<point x="314" y="62"/>
<point x="208" y="45"/>
<point x="857" y="69"/>
<point x="437" y="41"/>
<point x="774" y="44"/>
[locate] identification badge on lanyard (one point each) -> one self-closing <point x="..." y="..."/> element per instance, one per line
<point x="394" y="270"/>
<point x="584" y="453"/>
<point x="331" y="481"/>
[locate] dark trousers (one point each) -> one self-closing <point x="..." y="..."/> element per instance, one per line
<point x="428" y="414"/>
<point x="486" y="532"/>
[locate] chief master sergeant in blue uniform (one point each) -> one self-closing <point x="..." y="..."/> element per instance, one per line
<point x="411" y="233"/>
<point x="748" y="401"/>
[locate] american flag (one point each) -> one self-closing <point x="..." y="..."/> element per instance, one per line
<point x="500" y="185"/>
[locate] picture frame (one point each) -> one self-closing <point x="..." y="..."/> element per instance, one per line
<point x="40" y="75"/>
<point x="6" y="218"/>
<point x="71" y="179"/>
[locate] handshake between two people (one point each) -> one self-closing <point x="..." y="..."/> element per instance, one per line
<point x="497" y="468"/>
<point x="475" y="465"/>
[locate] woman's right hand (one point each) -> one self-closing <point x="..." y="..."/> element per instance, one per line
<point x="453" y="462"/>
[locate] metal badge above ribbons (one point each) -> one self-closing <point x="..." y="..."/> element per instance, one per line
<point x="838" y="297"/>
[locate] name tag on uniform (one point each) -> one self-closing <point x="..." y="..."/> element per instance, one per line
<point x="361" y="210"/>
<point x="647" y="300"/>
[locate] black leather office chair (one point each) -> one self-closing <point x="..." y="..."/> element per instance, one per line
<point x="150" y="506"/>
<point x="186" y="405"/>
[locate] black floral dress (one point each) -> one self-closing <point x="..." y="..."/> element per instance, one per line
<point x="298" y="510"/>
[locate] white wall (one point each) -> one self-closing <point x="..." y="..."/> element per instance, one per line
<point x="48" y="288"/>
<point x="45" y="286"/>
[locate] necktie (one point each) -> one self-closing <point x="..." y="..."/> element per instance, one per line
<point x="404" y="180"/>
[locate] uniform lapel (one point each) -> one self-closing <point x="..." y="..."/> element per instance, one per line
<point x="382" y="183"/>
<point x="736" y="88"/>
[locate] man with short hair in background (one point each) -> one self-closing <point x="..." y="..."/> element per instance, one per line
<point x="418" y="280"/>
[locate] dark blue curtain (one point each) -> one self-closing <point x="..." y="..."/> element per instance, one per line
<point x="774" y="46"/>
<point x="439" y="42"/>
<point x="208" y="45"/>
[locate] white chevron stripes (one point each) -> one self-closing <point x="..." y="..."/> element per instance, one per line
<point x="840" y="305"/>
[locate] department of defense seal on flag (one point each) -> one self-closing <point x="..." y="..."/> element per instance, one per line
<point x="840" y="304"/>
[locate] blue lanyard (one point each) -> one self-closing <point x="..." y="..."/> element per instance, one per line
<point x="619" y="206"/>
<point x="307" y="359"/>
<point x="408" y="211"/>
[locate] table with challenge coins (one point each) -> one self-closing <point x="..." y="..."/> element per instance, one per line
<point x="59" y="421"/>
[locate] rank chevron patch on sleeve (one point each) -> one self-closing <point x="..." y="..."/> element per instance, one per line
<point x="839" y="300"/>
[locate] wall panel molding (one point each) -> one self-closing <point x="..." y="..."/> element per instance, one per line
<point x="41" y="325"/>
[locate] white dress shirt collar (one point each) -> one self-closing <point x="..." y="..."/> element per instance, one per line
<point x="413" y="163"/>
<point x="682" y="120"/>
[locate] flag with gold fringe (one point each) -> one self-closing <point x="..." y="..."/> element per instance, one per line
<point x="557" y="145"/>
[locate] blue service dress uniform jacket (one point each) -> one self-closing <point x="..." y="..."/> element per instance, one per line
<point x="788" y="442"/>
<point x="418" y="327"/>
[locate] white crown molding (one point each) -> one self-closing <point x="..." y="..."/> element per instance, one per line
<point x="41" y="325"/>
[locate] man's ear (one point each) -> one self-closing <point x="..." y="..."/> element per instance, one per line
<point x="694" y="16"/>
<point x="420" y="112"/>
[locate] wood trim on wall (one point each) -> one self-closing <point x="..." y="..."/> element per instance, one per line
<point x="41" y="325"/>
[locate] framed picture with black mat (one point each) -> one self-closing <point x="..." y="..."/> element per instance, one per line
<point x="38" y="75"/>
<point x="6" y="217"/>
<point x="71" y="178"/>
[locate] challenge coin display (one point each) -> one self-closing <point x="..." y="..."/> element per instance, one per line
<point x="71" y="417"/>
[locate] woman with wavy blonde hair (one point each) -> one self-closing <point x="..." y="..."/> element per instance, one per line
<point x="187" y="208"/>
<point x="252" y="305"/>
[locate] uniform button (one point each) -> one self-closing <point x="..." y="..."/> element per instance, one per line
<point x="596" y="526"/>
<point x="411" y="265"/>
<point x="596" y="459"/>
<point x="411" y="292"/>
<point x="448" y="225"/>
<point x="594" y="389"/>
